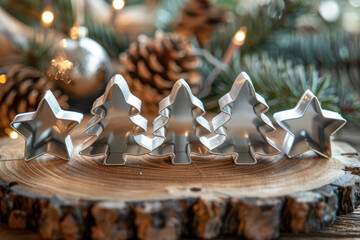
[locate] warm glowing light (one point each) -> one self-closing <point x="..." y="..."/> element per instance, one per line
<point x="74" y="33"/>
<point x="14" y="135"/>
<point x="240" y="36"/>
<point x="118" y="4"/>
<point x="47" y="17"/>
<point x="77" y="32"/>
<point x="3" y="79"/>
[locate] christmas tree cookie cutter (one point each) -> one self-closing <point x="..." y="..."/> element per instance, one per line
<point x="241" y="127"/>
<point x="180" y="124"/>
<point x="117" y="129"/>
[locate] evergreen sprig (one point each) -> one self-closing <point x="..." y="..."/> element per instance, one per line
<point x="107" y="37"/>
<point x="337" y="52"/>
<point x="167" y="12"/>
<point x="26" y="11"/>
<point x="36" y="52"/>
<point x="263" y="22"/>
<point x="29" y="12"/>
<point x="329" y="49"/>
<point x="282" y="83"/>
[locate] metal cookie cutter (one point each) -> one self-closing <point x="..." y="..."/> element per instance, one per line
<point x="241" y="127"/>
<point x="47" y="130"/>
<point x="117" y="128"/>
<point x="180" y="124"/>
<point x="308" y="127"/>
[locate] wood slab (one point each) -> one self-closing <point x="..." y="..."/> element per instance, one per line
<point x="345" y="227"/>
<point x="153" y="199"/>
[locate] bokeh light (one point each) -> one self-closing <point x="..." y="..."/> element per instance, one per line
<point x="118" y="4"/>
<point x="3" y="79"/>
<point x="240" y="36"/>
<point x="47" y="17"/>
<point x="329" y="10"/>
<point x="14" y="135"/>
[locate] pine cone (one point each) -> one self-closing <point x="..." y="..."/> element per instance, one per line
<point x="23" y="91"/>
<point x="152" y="66"/>
<point x="200" y="18"/>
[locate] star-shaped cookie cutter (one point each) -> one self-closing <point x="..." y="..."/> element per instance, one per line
<point x="308" y="127"/>
<point x="47" y="129"/>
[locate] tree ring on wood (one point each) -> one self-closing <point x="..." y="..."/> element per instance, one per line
<point x="149" y="198"/>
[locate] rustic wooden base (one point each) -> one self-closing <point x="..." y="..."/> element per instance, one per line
<point x="345" y="227"/>
<point x="153" y="199"/>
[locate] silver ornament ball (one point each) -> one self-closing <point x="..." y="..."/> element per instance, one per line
<point x="79" y="67"/>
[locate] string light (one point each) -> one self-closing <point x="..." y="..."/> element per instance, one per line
<point x="118" y="4"/>
<point x="3" y="79"/>
<point x="235" y="45"/>
<point x="240" y="36"/>
<point x="77" y="32"/>
<point x="12" y="134"/>
<point x="47" y="17"/>
<point x="74" y="33"/>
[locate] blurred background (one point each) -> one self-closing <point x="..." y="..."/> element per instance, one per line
<point x="75" y="47"/>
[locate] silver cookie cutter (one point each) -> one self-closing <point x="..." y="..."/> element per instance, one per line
<point x="241" y="127"/>
<point x="117" y="129"/>
<point x="180" y="124"/>
<point x="47" y="130"/>
<point x="308" y="127"/>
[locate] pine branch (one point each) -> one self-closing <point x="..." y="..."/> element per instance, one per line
<point x="26" y="11"/>
<point x="64" y="16"/>
<point x="281" y="83"/>
<point x="36" y="53"/>
<point x="330" y="49"/>
<point x="107" y="37"/>
<point x="337" y="52"/>
<point x="348" y="102"/>
<point x="104" y="34"/>
<point x="263" y="22"/>
<point x="168" y="11"/>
